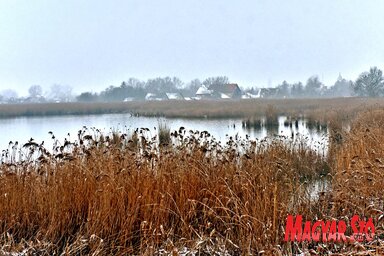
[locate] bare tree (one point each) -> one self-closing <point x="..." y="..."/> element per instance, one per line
<point x="194" y="85"/>
<point x="190" y="88"/>
<point x="163" y="84"/>
<point x="218" y="80"/>
<point x="35" y="91"/>
<point x="341" y="88"/>
<point x="370" y="83"/>
<point x="9" y="94"/>
<point x="134" y="82"/>
<point x="62" y="93"/>
<point x="313" y="86"/>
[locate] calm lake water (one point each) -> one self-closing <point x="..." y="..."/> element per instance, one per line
<point x="23" y="128"/>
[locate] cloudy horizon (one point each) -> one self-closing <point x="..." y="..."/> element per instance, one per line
<point x="90" y="45"/>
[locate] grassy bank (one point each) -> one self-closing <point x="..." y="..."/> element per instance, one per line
<point x="57" y="109"/>
<point x="319" y="109"/>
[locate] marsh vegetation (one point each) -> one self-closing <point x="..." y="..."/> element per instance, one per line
<point x="317" y="109"/>
<point x="126" y="193"/>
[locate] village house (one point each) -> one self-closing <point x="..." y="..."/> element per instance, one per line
<point x="174" y="96"/>
<point x="268" y="92"/>
<point x="203" y="93"/>
<point x="249" y="95"/>
<point x="219" y="91"/>
<point x="227" y="91"/>
<point x="153" y="97"/>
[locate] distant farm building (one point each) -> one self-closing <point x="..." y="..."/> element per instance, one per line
<point x="219" y="91"/>
<point x="128" y="99"/>
<point x="268" y="92"/>
<point x="249" y="95"/>
<point x="174" y="96"/>
<point x="226" y="91"/>
<point x="153" y="96"/>
<point x="203" y="93"/>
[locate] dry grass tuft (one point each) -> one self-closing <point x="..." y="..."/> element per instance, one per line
<point x="164" y="133"/>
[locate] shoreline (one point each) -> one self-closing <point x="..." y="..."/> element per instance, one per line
<point x="195" y="109"/>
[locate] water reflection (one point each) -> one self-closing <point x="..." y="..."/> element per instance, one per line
<point x="66" y="127"/>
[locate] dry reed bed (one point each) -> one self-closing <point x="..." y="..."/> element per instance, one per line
<point x="359" y="170"/>
<point x="315" y="109"/>
<point x="114" y="199"/>
<point x="356" y="158"/>
<point x="117" y="197"/>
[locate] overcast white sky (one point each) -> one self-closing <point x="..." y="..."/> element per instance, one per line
<point x="90" y="45"/>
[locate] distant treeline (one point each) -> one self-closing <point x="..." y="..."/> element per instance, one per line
<point x="135" y="89"/>
<point x="368" y="84"/>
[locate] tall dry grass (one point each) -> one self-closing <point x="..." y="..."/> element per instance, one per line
<point x="106" y="198"/>
<point x="317" y="110"/>
<point x="356" y="182"/>
<point x="164" y="134"/>
<point x="359" y="169"/>
<point x="118" y="194"/>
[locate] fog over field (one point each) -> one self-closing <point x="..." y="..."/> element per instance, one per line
<point x="89" y="45"/>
